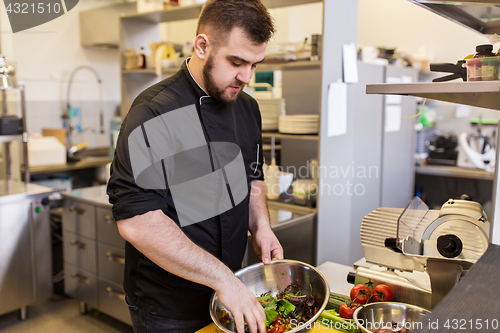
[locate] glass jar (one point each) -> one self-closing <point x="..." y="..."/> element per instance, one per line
<point x="474" y="65"/>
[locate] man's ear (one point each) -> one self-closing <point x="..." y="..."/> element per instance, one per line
<point x="201" y="45"/>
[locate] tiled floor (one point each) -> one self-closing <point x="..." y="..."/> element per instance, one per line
<point x="61" y="315"/>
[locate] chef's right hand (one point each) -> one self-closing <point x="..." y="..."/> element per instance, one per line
<point x="243" y="305"/>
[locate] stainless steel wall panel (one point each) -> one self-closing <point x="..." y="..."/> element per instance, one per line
<point x="398" y="172"/>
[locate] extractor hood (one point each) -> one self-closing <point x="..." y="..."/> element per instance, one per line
<point x="100" y="27"/>
<point x="480" y="15"/>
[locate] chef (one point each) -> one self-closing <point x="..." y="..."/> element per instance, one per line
<point x="171" y="267"/>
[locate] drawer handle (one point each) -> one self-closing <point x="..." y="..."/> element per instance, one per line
<point x="80" y="278"/>
<point x="80" y="245"/>
<point x="115" y="258"/>
<point x="109" y="219"/>
<point x="115" y="294"/>
<point x="79" y="211"/>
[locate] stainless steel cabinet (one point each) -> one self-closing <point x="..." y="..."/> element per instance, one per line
<point x="94" y="253"/>
<point x="25" y="258"/>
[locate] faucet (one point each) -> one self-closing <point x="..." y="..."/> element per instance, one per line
<point x="68" y="104"/>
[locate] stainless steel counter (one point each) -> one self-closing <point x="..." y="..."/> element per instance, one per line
<point x="279" y="214"/>
<point x="92" y="195"/>
<point x="12" y="190"/>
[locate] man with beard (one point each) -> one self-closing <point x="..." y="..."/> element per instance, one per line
<point x="172" y="270"/>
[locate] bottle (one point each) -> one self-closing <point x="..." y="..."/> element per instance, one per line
<point x="271" y="179"/>
<point x="489" y="68"/>
<point x="474" y="65"/>
<point x="485" y="50"/>
<point x="141" y="59"/>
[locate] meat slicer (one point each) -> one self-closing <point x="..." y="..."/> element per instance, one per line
<point x="422" y="253"/>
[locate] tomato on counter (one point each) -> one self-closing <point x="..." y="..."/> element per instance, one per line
<point x="347" y="310"/>
<point x="360" y="294"/>
<point x="382" y="293"/>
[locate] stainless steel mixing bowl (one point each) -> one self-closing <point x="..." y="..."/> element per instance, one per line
<point x="275" y="277"/>
<point x="374" y="316"/>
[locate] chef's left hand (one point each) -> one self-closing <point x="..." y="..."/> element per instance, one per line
<point x="266" y="245"/>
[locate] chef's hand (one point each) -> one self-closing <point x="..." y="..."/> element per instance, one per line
<point x="243" y="305"/>
<point x="266" y="245"/>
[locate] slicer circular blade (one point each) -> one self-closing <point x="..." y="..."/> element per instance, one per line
<point x="471" y="233"/>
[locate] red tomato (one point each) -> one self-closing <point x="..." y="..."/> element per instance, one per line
<point x="360" y="294"/>
<point x="382" y="293"/>
<point x="347" y="311"/>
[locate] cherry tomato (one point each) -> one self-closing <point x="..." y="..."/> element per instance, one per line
<point x="360" y="294"/>
<point x="382" y="293"/>
<point x="347" y="311"/>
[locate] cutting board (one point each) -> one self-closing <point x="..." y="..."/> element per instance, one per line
<point x="213" y="329"/>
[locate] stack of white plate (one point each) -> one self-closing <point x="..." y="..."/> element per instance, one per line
<point x="299" y="124"/>
<point x="270" y="110"/>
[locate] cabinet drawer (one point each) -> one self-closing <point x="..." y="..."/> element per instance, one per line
<point x="111" y="262"/>
<point x="107" y="230"/>
<point x="112" y="301"/>
<point x="79" y="251"/>
<point x="79" y="218"/>
<point x="81" y="285"/>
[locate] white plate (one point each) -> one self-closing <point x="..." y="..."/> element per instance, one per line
<point x="300" y="118"/>
<point x="269" y="127"/>
<point x="297" y="130"/>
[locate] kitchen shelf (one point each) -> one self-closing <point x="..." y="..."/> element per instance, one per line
<point x="290" y="206"/>
<point x="88" y="162"/>
<point x="149" y="71"/>
<point x="9" y="138"/>
<point x="277" y="135"/>
<point x="267" y="147"/>
<point x="472" y="14"/>
<point x="265" y="67"/>
<point x="485" y="94"/>
<point x="193" y="12"/>
<point x="274" y="66"/>
<point x="453" y="171"/>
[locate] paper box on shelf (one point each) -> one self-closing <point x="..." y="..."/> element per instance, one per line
<point x="45" y="150"/>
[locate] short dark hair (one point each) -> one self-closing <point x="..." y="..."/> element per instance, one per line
<point x="221" y="16"/>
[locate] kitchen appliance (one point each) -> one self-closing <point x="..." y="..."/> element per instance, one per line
<point x="475" y="151"/>
<point x="25" y="246"/>
<point x="443" y="150"/>
<point x="422" y="253"/>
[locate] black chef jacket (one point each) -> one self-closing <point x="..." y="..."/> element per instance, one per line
<point x="225" y="236"/>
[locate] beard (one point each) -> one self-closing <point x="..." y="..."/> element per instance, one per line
<point x="212" y="88"/>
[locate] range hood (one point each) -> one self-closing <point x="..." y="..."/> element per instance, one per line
<point x="480" y="15"/>
<point x="100" y="27"/>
